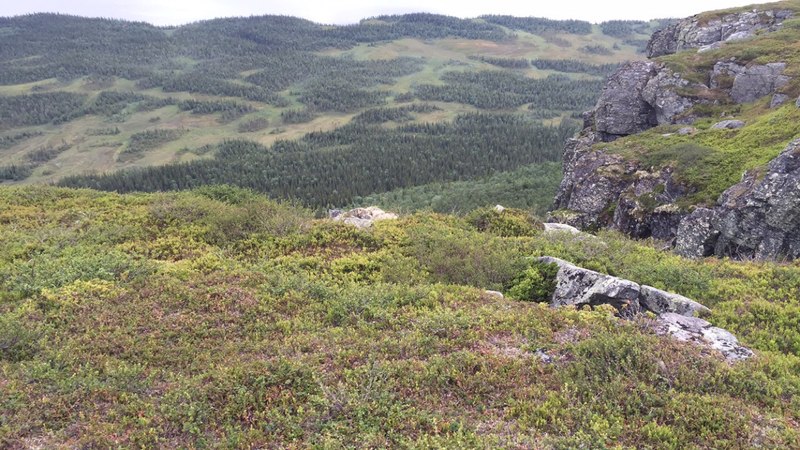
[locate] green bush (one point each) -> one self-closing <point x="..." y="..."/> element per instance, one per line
<point x="508" y="223"/>
<point x="536" y="284"/>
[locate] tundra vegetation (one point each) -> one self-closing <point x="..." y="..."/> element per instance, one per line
<point x="220" y="318"/>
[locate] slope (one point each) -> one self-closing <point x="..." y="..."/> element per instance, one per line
<point x="218" y="318"/>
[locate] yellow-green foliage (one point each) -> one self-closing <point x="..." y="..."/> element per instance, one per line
<point x="221" y="319"/>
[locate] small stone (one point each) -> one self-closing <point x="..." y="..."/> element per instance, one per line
<point x="547" y="359"/>
<point x="739" y="36"/>
<point x="728" y="125"/>
<point x="685" y="131"/>
<point x="560" y="228"/>
<point x="496" y="294"/>
<point x="778" y="100"/>
<point x="499" y="208"/>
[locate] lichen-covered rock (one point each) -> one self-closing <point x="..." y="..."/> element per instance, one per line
<point x="661" y="93"/>
<point x="701" y="332"/>
<point x="728" y="125"/>
<point x="621" y="109"/>
<point x="760" y="217"/>
<point x="756" y="81"/>
<point x="601" y="189"/>
<point x="676" y="315"/>
<point x="577" y="286"/>
<point x="748" y="83"/>
<point x="697" y="33"/>
<point x="661" y="302"/>
<point x="778" y="100"/>
<point x="592" y="181"/>
<point x="697" y="235"/>
<point x="644" y="209"/>
<point x="362" y="217"/>
<point x="756" y="218"/>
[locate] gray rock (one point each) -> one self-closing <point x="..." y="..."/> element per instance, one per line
<point x="723" y="74"/>
<point x="709" y="47"/>
<point x="496" y="294"/>
<point x="363" y="217"/>
<point x="757" y="81"/>
<point x="621" y="109"/>
<point x="578" y="286"/>
<point x="701" y="332"/>
<point x="778" y="100"/>
<point x="560" y="228"/>
<point x="728" y="125"/>
<point x="592" y="181"/>
<point x="663" y="42"/>
<point x="757" y="218"/>
<point x="661" y="93"/>
<point x="661" y="302"/>
<point x="740" y="36"/>
<point x="797" y="102"/>
<point x="686" y="131"/>
<point x="645" y="207"/>
<point x="697" y="235"/>
<point x="543" y="356"/>
<point x="760" y="217"/>
<point x="694" y="33"/>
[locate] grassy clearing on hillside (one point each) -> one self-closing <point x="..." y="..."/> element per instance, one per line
<point x="713" y="160"/>
<point x="220" y="319"/>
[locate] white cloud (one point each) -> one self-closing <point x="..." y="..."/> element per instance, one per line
<point x="173" y="12"/>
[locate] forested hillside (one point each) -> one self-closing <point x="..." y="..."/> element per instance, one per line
<point x="292" y="108"/>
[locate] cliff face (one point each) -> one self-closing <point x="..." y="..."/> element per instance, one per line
<point x="603" y="188"/>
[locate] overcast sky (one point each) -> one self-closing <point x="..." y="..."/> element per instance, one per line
<point x="174" y="12"/>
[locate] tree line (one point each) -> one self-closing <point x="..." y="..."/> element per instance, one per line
<point x="333" y="168"/>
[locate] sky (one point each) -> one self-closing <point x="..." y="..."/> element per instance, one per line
<point x="176" y="12"/>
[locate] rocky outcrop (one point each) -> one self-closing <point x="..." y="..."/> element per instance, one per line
<point x="757" y="218"/>
<point x="676" y="314"/>
<point x="621" y="109"/>
<point x="361" y="217"/>
<point x="695" y="32"/>
<point x="601" y="189"/>
<point x="748" y="83"/>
